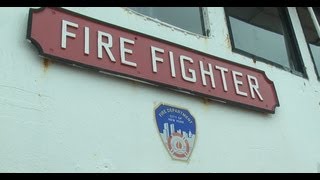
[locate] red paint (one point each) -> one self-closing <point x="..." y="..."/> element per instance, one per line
<point x="45" y="31"/>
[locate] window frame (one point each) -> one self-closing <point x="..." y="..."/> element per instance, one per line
<point x="315" y="19"/>
<point x="308" y="44"/>
<point x="289" y="31"/>
<point x="204" y="21"/>
<point x="313" y="61"/>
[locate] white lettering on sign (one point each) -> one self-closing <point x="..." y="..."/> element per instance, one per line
<point x="123" y="50"/>
<point x="154" y="58"/>
<point x="105" y="43"/>
<point x="204" y="72"/>
<point x="86" y="40"/>
<point x="223" y="77"/>
<point x="106" y="46"/>
<point x="193" y="77"/>
<point x="252" y="80"/>
<point x="173" y="71"/>
<point x="254" y="87"/>
<point x="237" y="83"/>
<point x="65" y="33"/>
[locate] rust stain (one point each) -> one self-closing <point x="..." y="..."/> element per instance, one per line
<point x="46" y="63"/>
<point x="254" y="60"/>
<point x="227" y="40"/>
<point x="205" y="101"/>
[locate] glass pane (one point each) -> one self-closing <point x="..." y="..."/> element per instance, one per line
<point x="188" y="18"/>
<point x="259" y="42"/>
<point x="310" y="34"/>
<point x="315" y="50"/>
<point x="307" y="25"/>
<point x="259" y="31"/>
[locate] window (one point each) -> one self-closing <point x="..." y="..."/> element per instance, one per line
<point x="310" y="34"/>
<point x="265" y="34"/>
<point x="317" y="13"/>
<point x="189" y="18"/>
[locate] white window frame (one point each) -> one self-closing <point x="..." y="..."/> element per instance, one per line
<point x="314" y="20"/>
<point x="204" y="15"/>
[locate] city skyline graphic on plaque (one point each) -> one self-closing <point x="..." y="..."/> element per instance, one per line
<point x="177" y="130"/>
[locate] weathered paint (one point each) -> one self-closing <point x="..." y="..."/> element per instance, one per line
<point x="46" y="63"/>
<point x="87" y="122"/>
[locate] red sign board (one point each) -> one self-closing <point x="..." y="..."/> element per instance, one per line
<point x="76" y="39"/>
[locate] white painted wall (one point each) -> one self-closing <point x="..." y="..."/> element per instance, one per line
<point x="67" y="119"/>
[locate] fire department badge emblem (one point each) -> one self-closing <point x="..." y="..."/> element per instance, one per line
<point x="177" y="129"/>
